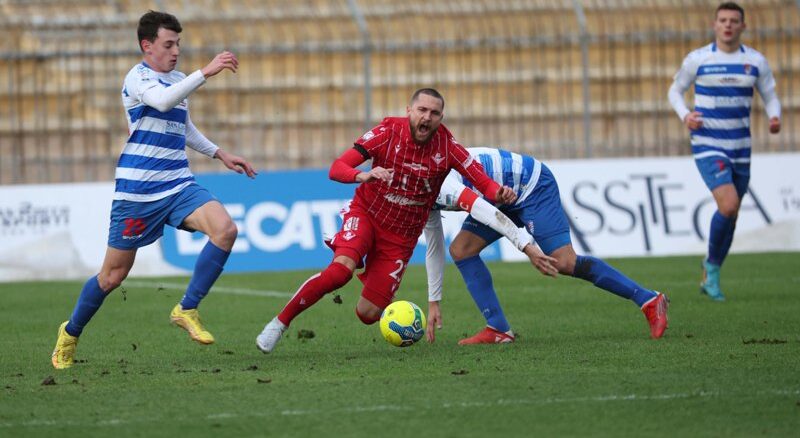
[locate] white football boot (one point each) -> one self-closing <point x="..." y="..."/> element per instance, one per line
<point x="270" y="336"/>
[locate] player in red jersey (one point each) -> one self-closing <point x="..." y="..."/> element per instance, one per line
<point x="411" y="157"/>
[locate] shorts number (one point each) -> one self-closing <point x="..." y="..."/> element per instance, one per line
<point x="397" y="272"/>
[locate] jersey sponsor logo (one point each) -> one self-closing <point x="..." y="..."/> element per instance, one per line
<point x="401" y="200"/>
<point x="438" y="158"/>
<point x="716" y="69"/>
<point x="529" y="227"/>
<point x="415" y="166"/>
<point x="729" y="80"/>
<point x="368" y="135"/>
<point x="134" y="228"/>
<point x="348" y="235"/>
<point x="721" y="101"/>
<point x="175" y="128"/>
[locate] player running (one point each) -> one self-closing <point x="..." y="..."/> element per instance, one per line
<point x="154" y="186"/>
<point x="411" y="156"/>
<point x="724" y="74"/>
<point x="538" y="209"/>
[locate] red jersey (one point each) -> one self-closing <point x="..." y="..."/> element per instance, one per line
<point x="403" y="205"/>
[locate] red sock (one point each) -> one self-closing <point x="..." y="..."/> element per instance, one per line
<point x="333" y="277"/>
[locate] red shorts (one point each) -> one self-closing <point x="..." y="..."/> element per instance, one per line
<point x="387" y="254"/>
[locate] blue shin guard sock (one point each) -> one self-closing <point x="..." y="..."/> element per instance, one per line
<point x="206" y="271"/>
<point x="479" y="284"/>
<point x="602" y="275"/>
<point x="720" y="237"/>
<point x="89" y="301"/>
<point x="725" y="246"/>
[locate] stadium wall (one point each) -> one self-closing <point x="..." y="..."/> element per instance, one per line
<point x="616" y="207"/>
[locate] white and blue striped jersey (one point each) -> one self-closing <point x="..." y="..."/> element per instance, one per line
<point x="153" y="164"/>
<point x="723" y="87"/>
<point x="520" y="172"/>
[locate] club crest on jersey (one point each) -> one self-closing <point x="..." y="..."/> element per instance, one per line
<point x="350" y="224"/>
<point x="747" y="69"/>
<point x="438" y="158"/>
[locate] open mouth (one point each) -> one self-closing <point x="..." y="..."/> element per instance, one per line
<point x="423" y="129"/>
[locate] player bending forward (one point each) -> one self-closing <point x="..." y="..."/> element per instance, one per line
<point x="537" y="208"/>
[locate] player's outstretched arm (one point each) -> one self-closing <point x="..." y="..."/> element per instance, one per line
<point x="223" y="60"/>
<point x="434" y="267"/>
<point x="235" y="163"/>
<point x="489" y="215"/>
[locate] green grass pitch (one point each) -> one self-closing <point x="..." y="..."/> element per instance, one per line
<point x="583" y="363"/>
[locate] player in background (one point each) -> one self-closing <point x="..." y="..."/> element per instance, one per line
<point x="154" y="186"/>
<point x="724" y="74"/>
<point x="538" y="209"/>
<point x="411" y="156"/>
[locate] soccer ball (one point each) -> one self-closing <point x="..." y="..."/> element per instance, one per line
<point x="403" y="323"/>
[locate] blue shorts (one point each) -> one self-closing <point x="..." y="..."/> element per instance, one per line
<point x="717" y="171"/>
<point x="540" y="213"/>
<point x="137" y="224"/>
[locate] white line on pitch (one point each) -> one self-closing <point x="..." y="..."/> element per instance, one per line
<point x="215" y="289"/>
<point x="388" y="408"/>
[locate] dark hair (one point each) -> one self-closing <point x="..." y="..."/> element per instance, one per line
<point x="429" y="92"/>
<point x="152" y="21"/>
<point x="729" y="6"/>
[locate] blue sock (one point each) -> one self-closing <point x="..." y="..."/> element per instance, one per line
<point x="726" y="243"/>
<point x="89" y="301"/>
<point x="721" y="231"/>
<point x="602" y="275"/>
<point x="479" y="284"/>
<point x="206" y="271"/>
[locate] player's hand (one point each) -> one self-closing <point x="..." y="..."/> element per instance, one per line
<point x="235" y="163"/>
<point x="378" y="173"/>
<point x="544" y="263"/>
<point x="774" y="125"/>
<point x="693" y="120"/>
<point x="220" y="62"/>
<point x="505" y="195"/>
<point x="434" y="320"/>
